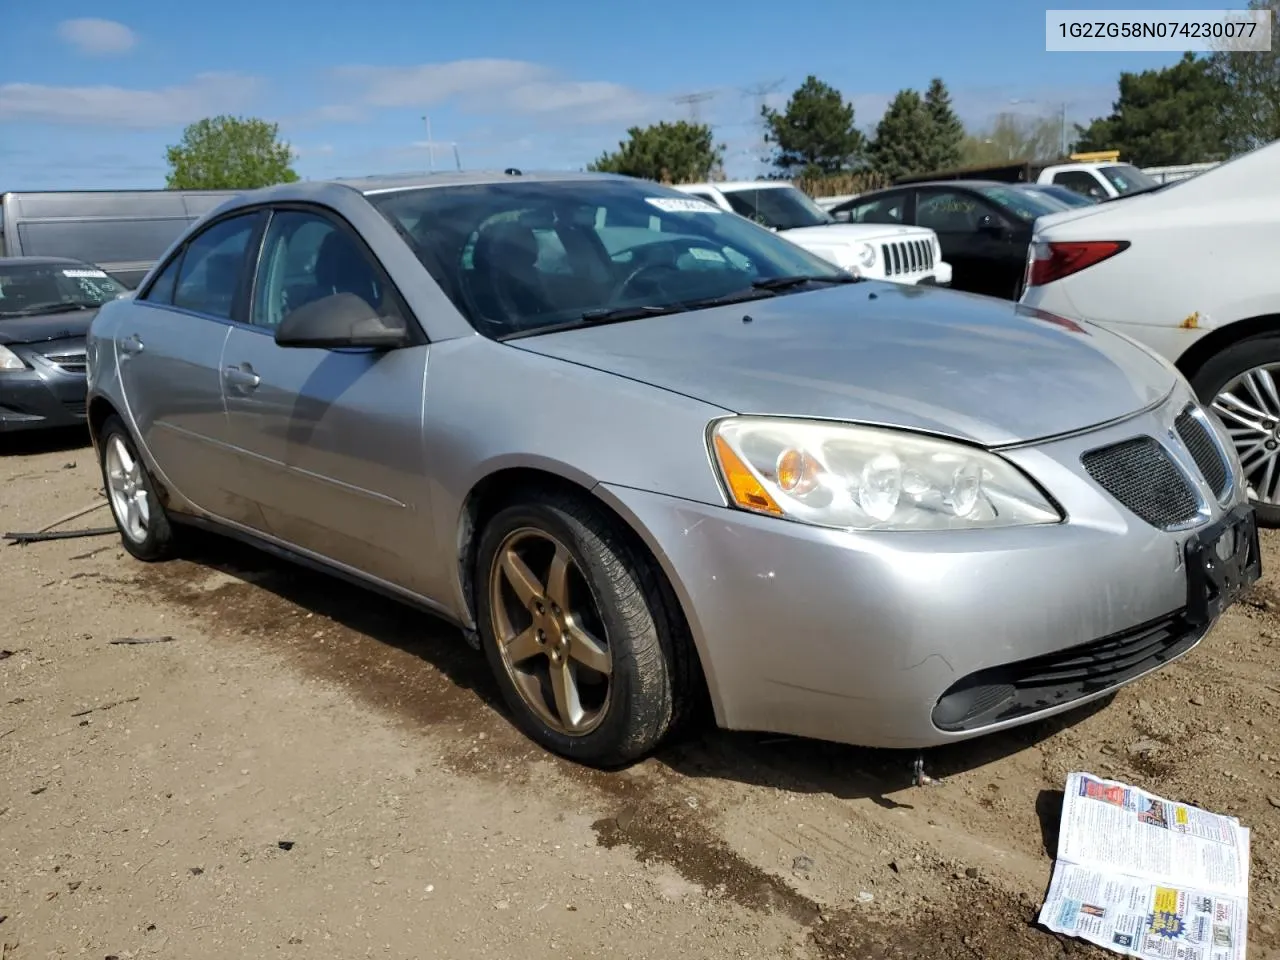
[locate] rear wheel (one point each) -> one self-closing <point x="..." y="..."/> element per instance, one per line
<point x="144" y="527"/>
<point x="576" y="627"/>
<point x="1242" y="384"/>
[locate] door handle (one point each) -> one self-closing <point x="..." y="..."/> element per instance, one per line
<point x="131" y="345"/>
<point x="242" y="376"/>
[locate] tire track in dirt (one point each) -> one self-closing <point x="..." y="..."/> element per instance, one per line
<point x="418" y="669"/>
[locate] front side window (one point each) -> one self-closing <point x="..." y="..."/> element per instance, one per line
<point x="781" y="208"/>
<point x="1127" y="178"/>
<point x="213" y="265"/>
<point x="306" y="257"/>
<point x="947" y="211"/>
<point x="518" y="257"/>
<point x="27" y="289"/>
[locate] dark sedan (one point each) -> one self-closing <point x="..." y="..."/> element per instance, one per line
<point x="983" y="227"/>
<point x="46" y="304"/>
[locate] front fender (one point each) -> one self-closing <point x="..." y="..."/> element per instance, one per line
<point x="491" y="407"/>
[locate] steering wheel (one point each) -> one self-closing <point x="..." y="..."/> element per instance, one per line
<point x="644" y="270"/>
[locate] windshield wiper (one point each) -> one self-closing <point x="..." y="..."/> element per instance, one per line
<point x="59" y="307"/>
<point x="783" y="283"/>
<point x="609" y="315"/>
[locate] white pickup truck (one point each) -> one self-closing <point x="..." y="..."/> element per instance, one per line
<point x="878" y="251"/>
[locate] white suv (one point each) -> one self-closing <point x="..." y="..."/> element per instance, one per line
<point x="874" y="250"/>
<point x="1189" y="270"/>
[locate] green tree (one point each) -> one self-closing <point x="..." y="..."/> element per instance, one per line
<point x="948" y="131"/>
<point x="1168" y="116"/>
<point x="1251" y="116"/>
<point x="814" y="134"/>
<point x="680" y="152"/>
<point x="229" y="153"/>
<point x="1011" y="138"/>
<point x="903" y="144"/>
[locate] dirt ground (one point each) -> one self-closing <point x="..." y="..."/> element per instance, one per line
<point x="308" y="770"/>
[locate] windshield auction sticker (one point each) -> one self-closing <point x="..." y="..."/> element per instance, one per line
<point x="680" y="205"/>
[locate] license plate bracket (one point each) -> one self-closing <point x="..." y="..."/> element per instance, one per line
<point x="1223" y="561"/>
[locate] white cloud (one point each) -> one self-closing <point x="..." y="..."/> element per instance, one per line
<point x="97" y="37"/>
<point x="207" y="94"/>
<point x="502" y="86"/>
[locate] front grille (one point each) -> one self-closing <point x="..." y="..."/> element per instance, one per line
<point x="906" y="256"/>
<point x="1206" y="453"/>
<point x="70" y="362"/>
<point x="1016" y="689"/>
<point x="1141" y="475"/>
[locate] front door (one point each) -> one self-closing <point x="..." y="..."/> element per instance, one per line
<point x="169" y="349"/>
<point x="976" y="239"/>
<point x="331" y="439"/>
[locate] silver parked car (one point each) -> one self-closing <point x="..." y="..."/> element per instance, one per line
<point x="644" y="451"/>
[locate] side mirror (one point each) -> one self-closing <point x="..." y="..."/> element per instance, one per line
<point x="341" y="320"/>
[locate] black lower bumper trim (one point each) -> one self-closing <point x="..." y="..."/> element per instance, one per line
<point x="1015" y="690"/>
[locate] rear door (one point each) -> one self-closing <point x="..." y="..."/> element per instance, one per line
<point x="169" y="349"/>
<point x="331" y="439"/>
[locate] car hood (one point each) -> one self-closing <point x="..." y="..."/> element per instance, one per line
<point x="919" y="358"/>
<point x="853" y="233"/>
<point x="41" y="327"/>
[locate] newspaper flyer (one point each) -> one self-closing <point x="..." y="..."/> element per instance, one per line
<point x="1148" y="877"/>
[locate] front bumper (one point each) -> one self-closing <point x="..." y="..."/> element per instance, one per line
<point x="48" y="394"/>
<point x="858" y="637"/>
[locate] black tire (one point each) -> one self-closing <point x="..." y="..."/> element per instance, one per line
<point x="158" y="542"/>
<point x="652" y="685"/>
<point x="1223" y="367"/>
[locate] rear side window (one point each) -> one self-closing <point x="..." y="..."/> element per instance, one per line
<point x="213" y="265"/>
<point x="162" y="289"/>
<point x="1080" y="182"/>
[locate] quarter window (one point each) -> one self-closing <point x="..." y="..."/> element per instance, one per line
<point x="212" y="267"/>
<point x="307" y="257"/>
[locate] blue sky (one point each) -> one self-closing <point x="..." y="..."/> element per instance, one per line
<point x="90" y="94"/>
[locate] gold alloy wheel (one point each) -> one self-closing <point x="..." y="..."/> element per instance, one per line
<point x="549" y="632"/>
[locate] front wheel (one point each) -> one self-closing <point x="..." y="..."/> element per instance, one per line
<point x="144" y="527"/>
<point x="1242" y="385"/>
<point x="577" y="631"/>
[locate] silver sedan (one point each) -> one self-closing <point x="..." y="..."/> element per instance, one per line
<point x="647" y="455"/>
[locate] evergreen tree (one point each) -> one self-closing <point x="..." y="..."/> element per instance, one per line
<point x="814" y="134"/>
<point x="948" y="131"/>
<point x="903" y="143"/>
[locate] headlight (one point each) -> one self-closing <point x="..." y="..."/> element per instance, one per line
<point x="10" y="360"/>
<point x="871" y="478"/>
<point x="867" y="255"/>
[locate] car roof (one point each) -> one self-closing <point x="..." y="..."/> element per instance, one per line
<point x="330" y="191"/>
<point x="731" y="186"/>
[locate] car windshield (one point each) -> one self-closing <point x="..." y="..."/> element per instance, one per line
<point x="1127" y="178"/>
<point x="31" y="288"/>
<point x="528" y="256"/>
<point x="1026" y="204"/>
<point x="780" y="208"/>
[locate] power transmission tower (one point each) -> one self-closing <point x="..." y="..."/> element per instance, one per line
<point x="759" y="92"/>
<point x="693" y="101"/>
